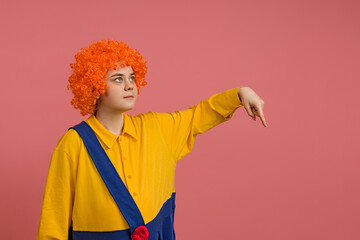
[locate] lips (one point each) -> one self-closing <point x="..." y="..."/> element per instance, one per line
<point x="129" y="96"/>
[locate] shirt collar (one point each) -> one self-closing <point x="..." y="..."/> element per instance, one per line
<point x="108" y="137"/>
<point x="129" y="127"/>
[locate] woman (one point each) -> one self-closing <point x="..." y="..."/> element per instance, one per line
<point x="134" y="197"/>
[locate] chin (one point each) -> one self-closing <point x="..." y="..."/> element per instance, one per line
<point x="128" y="108"/>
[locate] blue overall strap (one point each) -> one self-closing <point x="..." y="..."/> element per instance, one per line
<point x="111" y="178"/>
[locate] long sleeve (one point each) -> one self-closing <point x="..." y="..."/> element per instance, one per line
<point x="181" y="127"/>
<point x="58" y="197"/>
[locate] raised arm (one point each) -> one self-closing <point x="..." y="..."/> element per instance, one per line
<point x="181" y="127"/>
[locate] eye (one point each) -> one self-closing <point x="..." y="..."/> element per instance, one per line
<point x="132" y="79"/>
<point x="119" y="79"/>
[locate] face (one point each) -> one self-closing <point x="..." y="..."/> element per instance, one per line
<point x="121" y="90"/>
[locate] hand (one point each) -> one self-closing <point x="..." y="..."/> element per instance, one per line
<point x="253" y="103"/>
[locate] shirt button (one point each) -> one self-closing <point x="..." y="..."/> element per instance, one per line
<point x="129" y="177"/>
<point x="134" y="193"/>
<point x="124" y="158"/>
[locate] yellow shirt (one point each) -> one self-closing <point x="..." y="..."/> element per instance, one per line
<point x="145" y="157"/>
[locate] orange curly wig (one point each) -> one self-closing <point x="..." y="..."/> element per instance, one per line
<point x="87" y="82"/>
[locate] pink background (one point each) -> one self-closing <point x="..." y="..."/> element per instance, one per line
<point x="297" y="179"/>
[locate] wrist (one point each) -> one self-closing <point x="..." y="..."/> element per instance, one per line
<point x="240" y="89"/>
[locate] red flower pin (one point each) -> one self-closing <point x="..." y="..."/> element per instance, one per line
<point x="140" y="233"/>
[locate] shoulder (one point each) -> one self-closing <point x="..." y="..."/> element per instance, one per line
<point x="69" y="142"/>
<point x="149" y="120"/>
<point x="66" y="154"/>
<point x="144" y="117"/>
<point x="166" y="117"/>
<point x="153" y="117"/>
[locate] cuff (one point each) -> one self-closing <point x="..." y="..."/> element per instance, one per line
<point x="225" y="103"/>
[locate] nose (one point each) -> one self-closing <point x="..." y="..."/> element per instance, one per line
<point x="128" y="85"/>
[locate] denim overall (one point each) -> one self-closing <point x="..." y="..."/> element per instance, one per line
<point x="161" y="227"/>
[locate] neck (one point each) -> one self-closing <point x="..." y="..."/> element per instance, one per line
<point x="112" y="121"/>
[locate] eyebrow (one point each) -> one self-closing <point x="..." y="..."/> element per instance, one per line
<point x="121" y="75"/>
